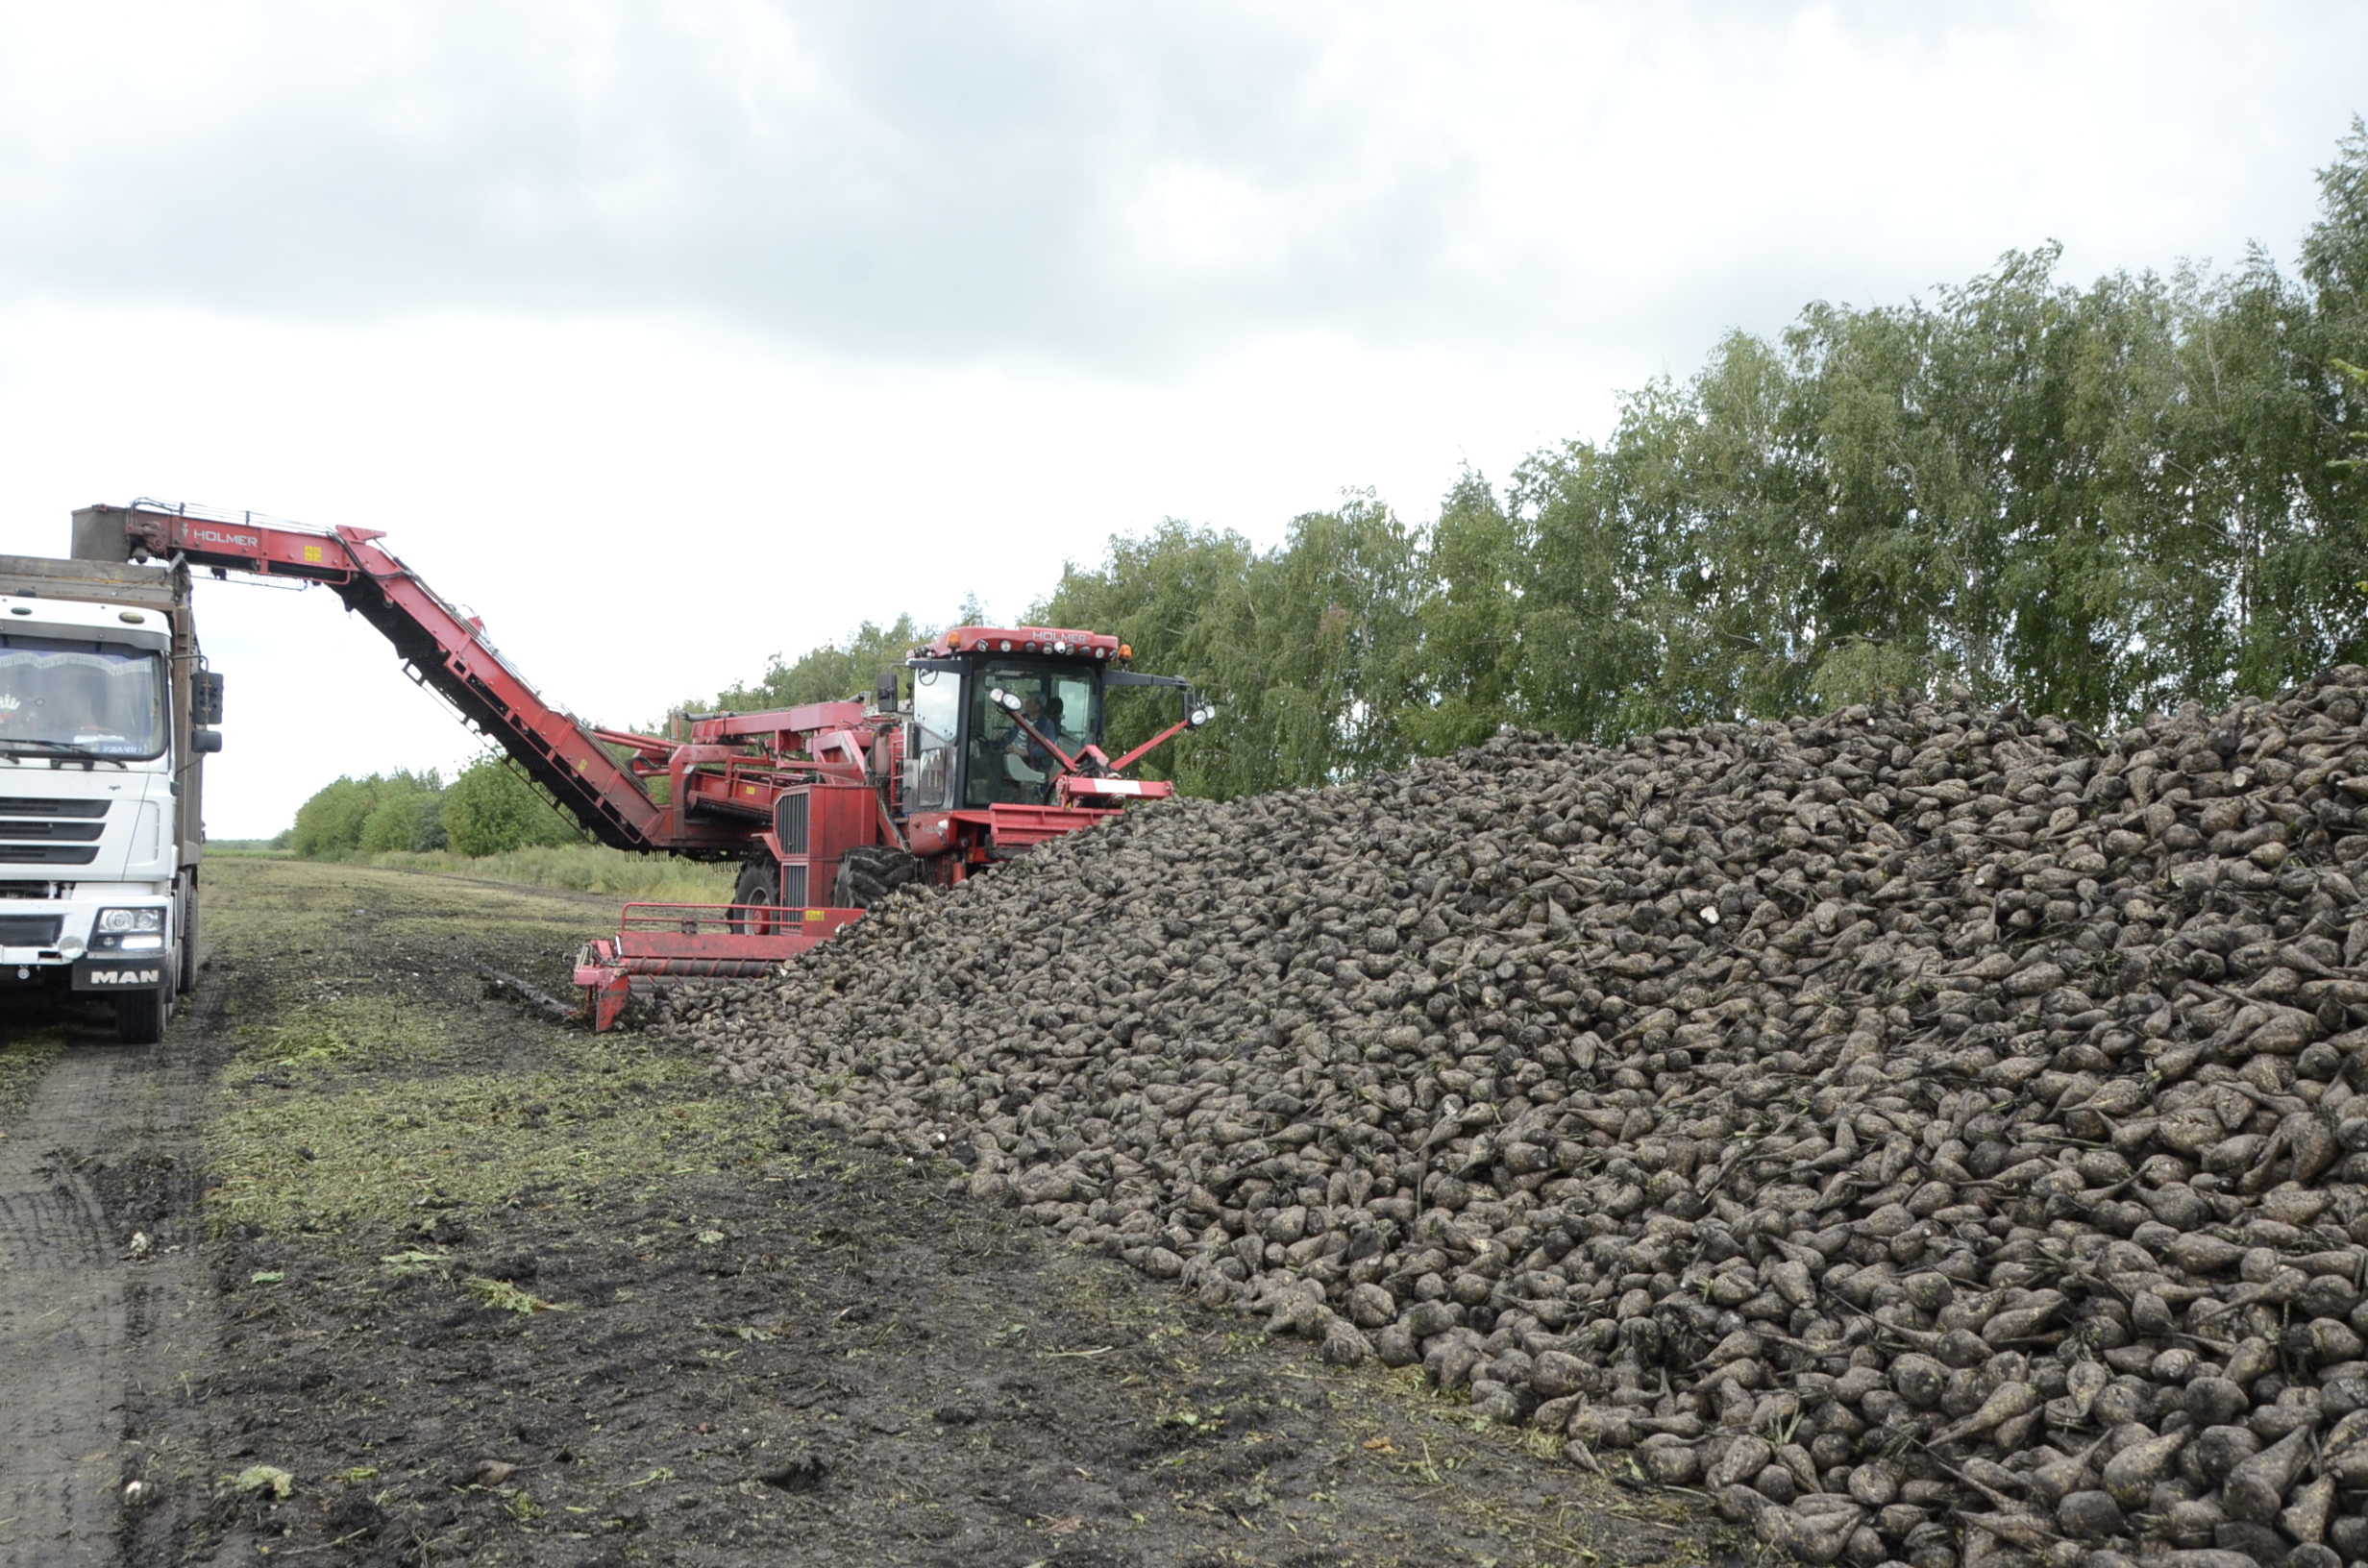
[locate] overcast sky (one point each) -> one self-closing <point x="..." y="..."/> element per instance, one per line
<point x="668" y="337"/>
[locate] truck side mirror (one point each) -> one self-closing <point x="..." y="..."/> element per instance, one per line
<point x="204" y="742"/>
<point x="885" y="688"/>
<point x="206" y="700"/>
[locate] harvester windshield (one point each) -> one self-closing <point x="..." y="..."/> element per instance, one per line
<point x="1061" y="701"/>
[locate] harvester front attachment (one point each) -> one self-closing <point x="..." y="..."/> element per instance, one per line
<point x="665" y="944"/>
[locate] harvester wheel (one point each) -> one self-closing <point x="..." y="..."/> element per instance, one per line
<point x="869" y="874"/>
<point x="758" y="886"/>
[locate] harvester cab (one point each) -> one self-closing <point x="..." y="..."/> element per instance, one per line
<point x="1013" y="718"/>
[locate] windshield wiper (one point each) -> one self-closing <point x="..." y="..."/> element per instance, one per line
<point x="56" y="748"/>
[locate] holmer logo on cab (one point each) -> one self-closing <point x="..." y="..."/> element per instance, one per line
<point x="123" y="978"/>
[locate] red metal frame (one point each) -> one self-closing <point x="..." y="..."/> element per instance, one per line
<point x="666" y="944"/>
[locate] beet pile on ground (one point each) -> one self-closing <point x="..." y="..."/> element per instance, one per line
<point x="1928" y="1129"/>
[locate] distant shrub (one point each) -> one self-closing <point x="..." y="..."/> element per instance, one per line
<point x="492" y="809"/>
<point x="369" y="815"/>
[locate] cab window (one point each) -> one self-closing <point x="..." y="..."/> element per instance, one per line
<point x="929" y="754"/>
<point x="1061" y="703"/>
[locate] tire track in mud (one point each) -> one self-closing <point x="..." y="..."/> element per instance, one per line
<point x="78" y="1319"/>
<point x="62" y="1321"/>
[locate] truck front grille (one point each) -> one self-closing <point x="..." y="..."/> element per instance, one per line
<point x="65" y="832"/>
<point x="36" y="890"/>
<point x="29" y="930"/>
<point x="26" y="805"/>
<point x="61" y="832"/>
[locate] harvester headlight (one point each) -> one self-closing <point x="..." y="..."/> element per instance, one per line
<point x="1201" y="715"/>
<point x="1060" y="646"/>
<point x="1006" y="645"/>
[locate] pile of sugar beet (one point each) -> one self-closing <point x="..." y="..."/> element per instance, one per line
<point x="1930" y="1130"/>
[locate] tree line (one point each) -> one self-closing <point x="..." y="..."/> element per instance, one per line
<point x="489" y="808"/>
<point x="2098" y="501"/>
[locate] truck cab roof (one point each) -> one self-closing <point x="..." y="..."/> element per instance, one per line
<point x="76" y="617"/>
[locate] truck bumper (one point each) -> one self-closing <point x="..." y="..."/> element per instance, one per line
<point x="119" y="974"/>
<point x="64" y="961"/>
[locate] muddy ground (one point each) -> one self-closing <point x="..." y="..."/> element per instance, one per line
<point x="466" y="1286"/>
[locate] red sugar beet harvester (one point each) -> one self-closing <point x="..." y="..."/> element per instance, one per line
<point x="990" y="744"/>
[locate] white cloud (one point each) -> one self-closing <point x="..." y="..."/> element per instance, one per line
<point x="959" y="182"/>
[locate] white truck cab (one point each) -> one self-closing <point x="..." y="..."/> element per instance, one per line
<point x="104" y="714"/>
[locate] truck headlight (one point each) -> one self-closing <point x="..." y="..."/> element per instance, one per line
<point x="129" y="931"/>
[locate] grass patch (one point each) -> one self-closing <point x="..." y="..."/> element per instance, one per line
<point x="506" y="1297"/>
<point x="373" y="1079"/>
<point x="382" y="1149"/>
<point x="332" y="1027"/>
<point x="584" y="867"/>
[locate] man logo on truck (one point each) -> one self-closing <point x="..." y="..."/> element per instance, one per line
<point x="125" y="977"/>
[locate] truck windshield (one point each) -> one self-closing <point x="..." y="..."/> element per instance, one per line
<point x="1062" y="702"/>
<point x="86" y="695"/>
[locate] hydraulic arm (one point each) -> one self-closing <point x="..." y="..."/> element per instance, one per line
<point x="441" y="648"/>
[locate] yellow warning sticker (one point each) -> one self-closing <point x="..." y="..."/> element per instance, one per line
<point x="813" y="913"/>
<point x="312" y="554"/>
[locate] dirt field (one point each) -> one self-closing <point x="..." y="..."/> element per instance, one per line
<point x="469" y="1287"/>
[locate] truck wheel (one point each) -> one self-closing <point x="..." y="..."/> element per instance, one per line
<point x="868" y="875"/>
<point x="188" y="937"/>
<point x="139" y="1017"/>
<point x="757" y="886"/>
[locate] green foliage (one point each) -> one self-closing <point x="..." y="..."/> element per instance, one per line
<point x="406" y="819"/>
<point x="362" y="815"/>
<point x="1305" y="648"/>
<point x="2097" y="502"/>
<point x="830" y="673"/>
<point x="492" y="809"/>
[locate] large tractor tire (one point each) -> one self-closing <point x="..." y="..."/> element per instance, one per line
<point x="868" y="875"/>
<point x="759" y="884"/>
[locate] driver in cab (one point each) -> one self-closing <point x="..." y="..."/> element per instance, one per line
<point x="1025" y="761"/>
